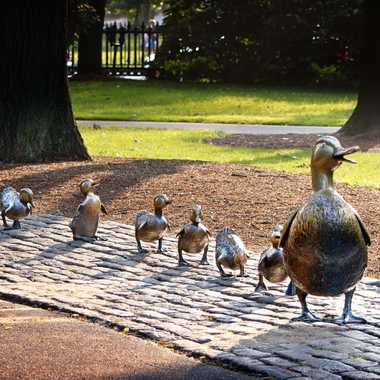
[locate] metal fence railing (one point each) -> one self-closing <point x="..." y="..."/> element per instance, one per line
<point x="126" y="50"/>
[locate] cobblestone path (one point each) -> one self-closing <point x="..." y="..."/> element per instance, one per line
<point x="192" y="309"/>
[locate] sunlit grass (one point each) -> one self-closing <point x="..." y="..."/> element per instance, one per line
<point x="166" y="101"/>
<point x="189" y="145"/>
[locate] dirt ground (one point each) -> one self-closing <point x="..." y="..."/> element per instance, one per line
<point x="248" y="199"/>
<point x="292" y="141"/>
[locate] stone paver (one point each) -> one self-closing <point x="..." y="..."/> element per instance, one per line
<point x="191" y="309"/>
<point x="250" y="129"/>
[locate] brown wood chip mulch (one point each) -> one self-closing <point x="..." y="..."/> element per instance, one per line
<point x="248" y="199"/>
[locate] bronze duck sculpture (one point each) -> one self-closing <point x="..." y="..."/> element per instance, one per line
<point x="193" y="237"/>
<point x="152" y="226"/>
<point x="86" y="219"/>
<point x="230" y="252"/>
<point x="271" y="264"/>
<point x="16" y="206"/>
<point x="325" y="242"/>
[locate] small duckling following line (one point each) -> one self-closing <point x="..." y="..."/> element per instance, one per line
<point x="151" y="227"/>
<point x="86" y="220"/>
<point x="271" y="264"/>
<point x="230" y="252"/>
<point x="16" y="206"/>
<point x="193" y="237"/>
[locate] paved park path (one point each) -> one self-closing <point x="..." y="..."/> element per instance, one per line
<point x="250" y="129"/>
<point x="36" y="344"/>
<point x="191" y="309"/>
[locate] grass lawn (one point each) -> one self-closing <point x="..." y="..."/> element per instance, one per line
<point x="188" y="145"/>
<point x="167" y="101"/>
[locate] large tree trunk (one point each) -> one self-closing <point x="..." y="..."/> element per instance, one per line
<point x="90" y="43"/>
<point x="366" y="117"/>
<point x="36" y="119"/>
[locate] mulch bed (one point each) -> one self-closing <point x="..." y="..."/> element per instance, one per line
<point x="248" y="199"/>
<point x="366" y="144"/>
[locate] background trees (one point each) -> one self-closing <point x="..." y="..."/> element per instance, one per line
<point x="256" y="41"/>
<point x="36" y="119"/>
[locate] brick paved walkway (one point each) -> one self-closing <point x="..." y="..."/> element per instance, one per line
<point x="191" y="308"/>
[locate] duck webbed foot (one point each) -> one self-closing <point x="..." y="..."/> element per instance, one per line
<point x="16" y="226"/>
<point x="223" y="274"/>
<point x="181" y="261"/>
<point x="261" y="287"/>
<point x="87" y="239"/>
<point x="100" y="238"/>
<point x="347" y="316"/>
<point x="160" y="249"/>
<point x="291" y="289"/>
<point x="140" y="249"/>
<point x="307" y="315"/>
<point x="242" y="273"/>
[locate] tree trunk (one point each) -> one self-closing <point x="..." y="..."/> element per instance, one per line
<point x="90" y="43"/>
<point x="366" y="117"/>
<point x="36" y="119"/>
<point x="143" y="13"/>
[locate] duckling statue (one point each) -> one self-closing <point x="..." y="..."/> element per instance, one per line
<point x="325" y="242"/>
<point x="271" y="264"/>
<point x="85" y="222"/>
<point x="193" y="237"/>
<point x="16" y="206"/>
<point x="230" y="252"/>
<point x="150" y="227"/>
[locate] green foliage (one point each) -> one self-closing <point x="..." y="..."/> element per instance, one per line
<point x="189" y="145"/>
<point x="168" y="101"/>
<point x="257" y="41"/>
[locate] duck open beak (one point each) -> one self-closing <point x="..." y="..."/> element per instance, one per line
<point x="342" y="152"/>
<point x="32" y="204"/>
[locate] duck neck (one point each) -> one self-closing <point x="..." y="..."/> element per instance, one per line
<point x="322" y="180"/>
<point x="158" y="212"/>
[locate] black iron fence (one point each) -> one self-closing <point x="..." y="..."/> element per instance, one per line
<point x="126" y="50"/>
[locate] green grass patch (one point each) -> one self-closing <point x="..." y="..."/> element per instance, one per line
<point x="167" y="101"/>
<point x="189" y="145"/>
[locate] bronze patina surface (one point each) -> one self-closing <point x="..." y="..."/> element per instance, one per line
<point x="230" y="252"/>
<point x="152" y="226"/>
<point x="16" y="206"/>
<point x="193" y="237"/>
<point x="325" y="241"/>
<point x="86" y="219"/>
<point x="271" y="264"/>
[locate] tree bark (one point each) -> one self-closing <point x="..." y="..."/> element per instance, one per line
<point x="143" y="13"/>
<point x="365" y="118"/>
<point x="36" y="119"/>
<point x="90" y="43"/>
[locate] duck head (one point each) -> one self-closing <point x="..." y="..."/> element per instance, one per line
<point x="87" y="186"/>
<point x="161" y="201"/>
<point x="327" y="155"/>
<point x="26" y="196"/>
<point x="196" y="214"/>
<point x="276" y="235"/>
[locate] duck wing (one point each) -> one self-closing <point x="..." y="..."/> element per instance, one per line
<point x="103" y="209"/>
<point x="8" y="198"/>
<point x="181" y="233"/>
<point x="363" y="228"/>
<point x="141" y="219"/>
<point x="286" y="230"/>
